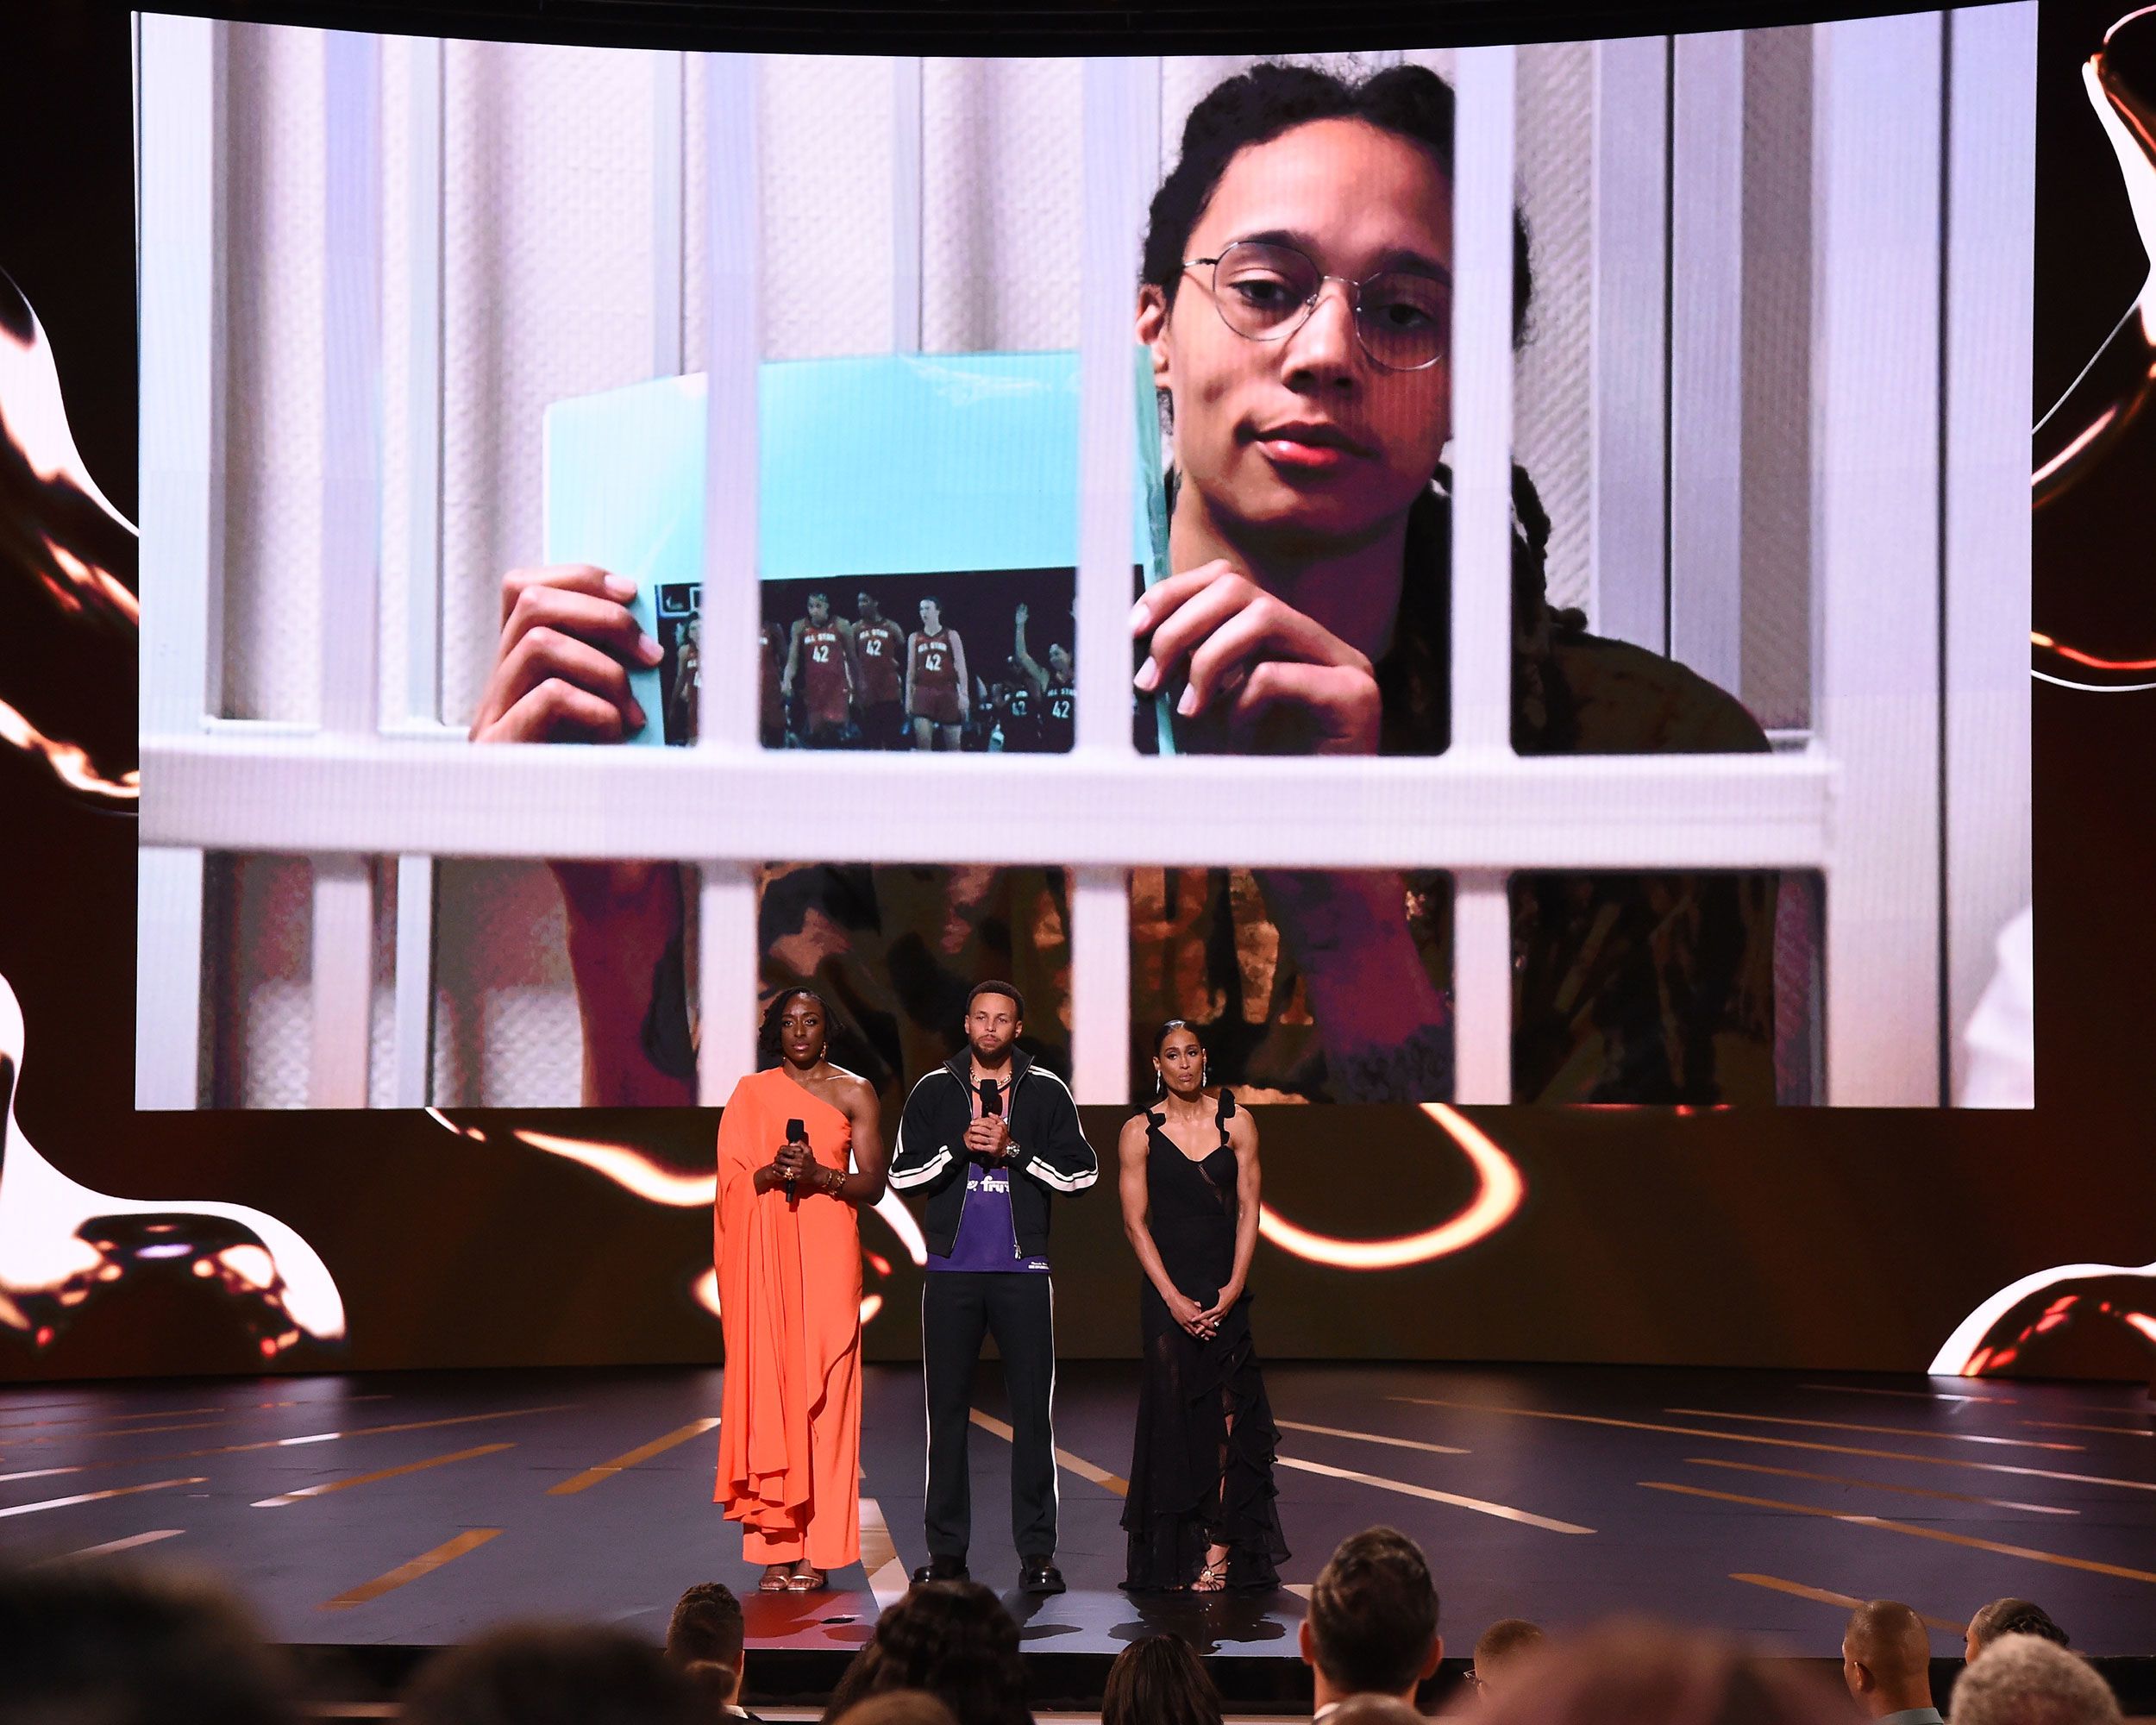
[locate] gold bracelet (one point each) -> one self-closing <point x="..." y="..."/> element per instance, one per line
<point x="838" y="1182"/>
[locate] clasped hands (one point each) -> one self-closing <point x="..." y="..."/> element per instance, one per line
<point x="989" y="1136"/>
<point x="1202" y="1321"/>
<point x="791" y="1161"/>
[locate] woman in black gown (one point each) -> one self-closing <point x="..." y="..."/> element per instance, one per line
<point x="1201" y="1513"/>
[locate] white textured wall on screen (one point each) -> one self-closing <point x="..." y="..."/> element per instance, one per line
<point x="1777" y="627"/>
<point x="381" y="1000"/>
<point x="396" y="407"/>
<point x="505" y="1025"/>
<point x="1553" y="404"/>
<point x="273" y="379"/>
<point x="825" y="132"/>
<point x="1002" y="166"/>
<point x="259" y="917"/>
<point x="547" y="269"/>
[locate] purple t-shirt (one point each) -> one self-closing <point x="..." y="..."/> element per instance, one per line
<point x="987" y="1239"/>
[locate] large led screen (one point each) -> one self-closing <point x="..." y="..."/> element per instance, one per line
<point x="1471" y="579"/>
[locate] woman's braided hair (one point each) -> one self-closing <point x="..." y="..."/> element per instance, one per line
<point x="954" y="1640"/>
<point x="1411" y="102"/>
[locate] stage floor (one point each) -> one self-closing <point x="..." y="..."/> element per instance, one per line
<point x="408" y="1511"/>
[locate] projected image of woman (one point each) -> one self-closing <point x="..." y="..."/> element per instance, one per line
<point x="1296" y="296"/>
<point x="1201" y="1513"/>
<point x="800" y="1152"/>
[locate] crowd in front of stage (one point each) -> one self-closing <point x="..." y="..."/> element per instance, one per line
<point x="103" y="1645"/>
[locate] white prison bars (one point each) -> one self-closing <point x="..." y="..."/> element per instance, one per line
<point x="728" y="806"/>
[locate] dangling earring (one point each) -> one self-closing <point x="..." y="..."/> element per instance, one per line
<point x="1160" y="1083"/>
<point x="1204" y="1072"/>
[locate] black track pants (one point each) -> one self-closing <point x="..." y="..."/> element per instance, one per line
<point x="958" y="1307"/>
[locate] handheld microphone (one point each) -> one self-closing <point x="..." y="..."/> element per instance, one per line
<point x="796" y="1132"/>
<point x="991" y="1098"/>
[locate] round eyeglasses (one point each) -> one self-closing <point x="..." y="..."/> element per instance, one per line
<point x="1266" y="293"/>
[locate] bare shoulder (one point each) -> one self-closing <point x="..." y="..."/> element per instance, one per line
<point x="1243" y="1130"/>
<point x="856" y="1095"/>
<point x="1132" y="1139"/>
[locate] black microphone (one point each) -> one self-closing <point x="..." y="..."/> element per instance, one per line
<point x="796" y="1132"/>
<point x="991" y="1098"/>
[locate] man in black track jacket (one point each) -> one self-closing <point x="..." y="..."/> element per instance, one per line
<point x="986" y="1140"/>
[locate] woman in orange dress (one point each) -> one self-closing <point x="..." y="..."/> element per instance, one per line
<point x="799" y="1147"/>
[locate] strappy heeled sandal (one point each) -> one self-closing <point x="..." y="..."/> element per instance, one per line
<point x="777" y="1578"/>
<point x="1212" y="1579"/>
<point x="807" y="1579"/>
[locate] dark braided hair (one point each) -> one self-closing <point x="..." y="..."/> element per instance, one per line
<point x="1255" y="107"/>
<point x="954" y="1640"/>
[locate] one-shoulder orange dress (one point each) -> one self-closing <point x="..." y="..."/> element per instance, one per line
<point x="789" y="1301"/>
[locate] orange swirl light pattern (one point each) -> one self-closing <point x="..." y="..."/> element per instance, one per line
<point x="644" y="1177"/>
<point x="1498" y="1193"/>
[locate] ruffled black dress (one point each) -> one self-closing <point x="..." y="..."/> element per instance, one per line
<point x="1201" y="1470"/>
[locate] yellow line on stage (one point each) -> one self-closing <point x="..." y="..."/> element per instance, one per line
<point x="1373" y="1438"/>
<point x="887" y="1579"/>
<point x="1504" y="1512"/>
<point x="96" y="1418"/>
<point x="1820" y="1596"/>
<point x="1077" y="1464"/>
<point x="93" y="1496"/>
<point x="347" y="1484"/>
<point x="1879" y="1485"/>
<point x="606" y="1470"/>
<point x="425" y="1563"/>
<point x="1883" y="1431"/>
<point x="1915" y="1532"/>
<point x="126" y="1544"/>
<point x="1783" y="1443"/>
<point x="295" y="1443"/>
<point x="174" y="1413"/>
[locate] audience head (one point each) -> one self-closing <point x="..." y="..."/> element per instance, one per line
<point x="1886" y="1659"/>
<point x="1373" y="1623"/>
<point x="704" y="1638"/>
<point x="552" y="1674"/>
<point x="117" y="1648"/>
<point x="2023" y="1679"/>
<point x="1375" y="1709"/>
<point x="2009" y="1617"/>
<point x="898" y="1707"/>
<point x="952" y="1638"/>
<point x="1501" y="1650"/>
<point x="1157" y="1680"/>
<point x="1633" y="1672"/>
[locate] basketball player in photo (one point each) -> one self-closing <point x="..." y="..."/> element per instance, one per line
<point x="818" y="663"/>
<point x="688" y="681"/>
<point x="879" y="681"/>
<point x="1056" y="705"/>
<point x="937" y="685"/>
<point x="771" y="705"/>
<point x="1017" y="713"/>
